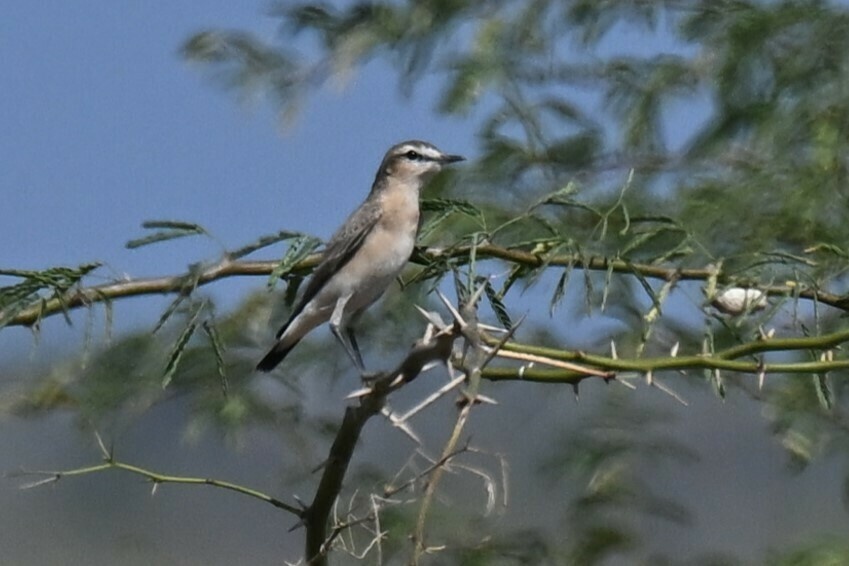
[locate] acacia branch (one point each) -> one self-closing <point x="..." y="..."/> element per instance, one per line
<point x="727" y="359"/>
<point x="176" y="284"/>
<point x="316" y="517"/>
<point x="477" y="360"/>
<point x="158" y="478"/>
<point x="173" y="284"/>
<point x="649" y="271"/>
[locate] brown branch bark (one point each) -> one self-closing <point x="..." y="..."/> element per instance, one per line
<point x="316" y="517"/>
<point x="86" y="296"/>
<point x="173" y="284"/>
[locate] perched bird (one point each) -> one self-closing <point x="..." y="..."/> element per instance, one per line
<point x="366" y="253"/>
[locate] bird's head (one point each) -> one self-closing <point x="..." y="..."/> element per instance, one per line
<point x="414" y="162"/>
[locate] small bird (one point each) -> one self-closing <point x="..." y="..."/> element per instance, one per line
<point x="366" y="253"/>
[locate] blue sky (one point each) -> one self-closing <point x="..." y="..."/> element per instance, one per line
<point x="105" y="126"/>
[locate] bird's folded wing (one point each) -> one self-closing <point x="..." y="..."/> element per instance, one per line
<point x="339" y="251"/>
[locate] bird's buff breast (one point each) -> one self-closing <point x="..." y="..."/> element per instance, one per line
<point x="383" y="254"/>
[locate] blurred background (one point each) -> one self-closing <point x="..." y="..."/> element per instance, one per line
<point x="723" y="123"/>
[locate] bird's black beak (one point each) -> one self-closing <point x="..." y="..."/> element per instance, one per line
<point x="451" y="159"/>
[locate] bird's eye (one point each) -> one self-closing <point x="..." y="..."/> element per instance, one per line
<point x="413" y="155"/>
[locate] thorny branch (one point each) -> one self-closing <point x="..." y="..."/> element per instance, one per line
<point x="156" y="478"/>
<point x="476" y="359"/>
<point x="432" y="348"/>
<point x="481" y="349"/>
<point x="227" y="267"/>
<point x="727" y="359"/>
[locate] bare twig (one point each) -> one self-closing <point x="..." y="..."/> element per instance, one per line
<point x="501" y="353"/>
<point x="389" y="491"/>
<point x="430" y="399"/>
<point x="157" y="478"/>
<point x="477" y="359"/>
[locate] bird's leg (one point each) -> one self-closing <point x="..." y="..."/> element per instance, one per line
<point x="350" y="349"/>
<point x="347" y="340"/>
<point x="352" y="338"/>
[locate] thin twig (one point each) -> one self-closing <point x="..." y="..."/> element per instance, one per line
<point x="501" y="353"/>
<point x="158" y="478"/>
<point x="467" y="325"/>
<point x="389" y="491"/>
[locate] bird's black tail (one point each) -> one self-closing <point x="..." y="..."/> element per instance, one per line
<point x="275" y="356"/>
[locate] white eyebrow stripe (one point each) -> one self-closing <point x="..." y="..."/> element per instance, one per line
<point x="427" y="151"/>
